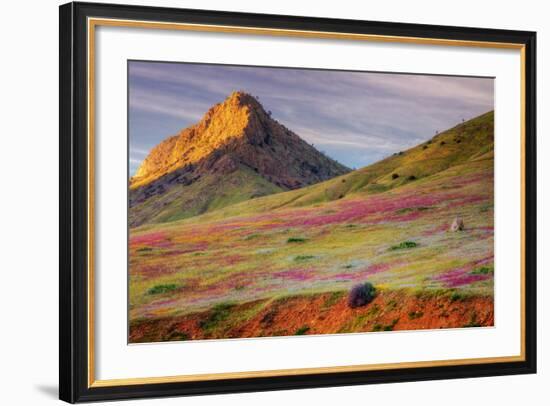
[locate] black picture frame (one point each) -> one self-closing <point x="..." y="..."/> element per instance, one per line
<point x="74" y="199"/>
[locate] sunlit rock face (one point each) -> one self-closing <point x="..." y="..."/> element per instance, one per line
<point x="236" y="152"/>
<point x="239" y="130"/>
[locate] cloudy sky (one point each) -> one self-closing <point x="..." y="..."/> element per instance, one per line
<point x="356" y="118"/>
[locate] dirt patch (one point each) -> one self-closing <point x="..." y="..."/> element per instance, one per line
<point x="326" y="313"/>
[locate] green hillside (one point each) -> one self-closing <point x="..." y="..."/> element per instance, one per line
<point x="471" y="140"/>
<point x="210" y="192"/>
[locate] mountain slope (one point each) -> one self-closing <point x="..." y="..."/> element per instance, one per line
<point x="236" y="140"/>
<point x="205" y="194"/>
<point x="466" y="142"/>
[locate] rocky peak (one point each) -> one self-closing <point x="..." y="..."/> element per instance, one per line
<point x="240" y="127"/>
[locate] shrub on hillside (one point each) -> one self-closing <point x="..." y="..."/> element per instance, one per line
<point x="484" y="270"/>
<point x="394" y="175"/>
<point x="295" y="239"/>
<point x="303" y="257"/>
<point x="301" y="331"/>
<point x="361" y="295"/>
<point x="160" y="289"/>
<point x="218" y="314"/>
<point x="404" y="245"/>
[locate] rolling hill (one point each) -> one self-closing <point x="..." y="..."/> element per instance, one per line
<point x="470" y="141"/>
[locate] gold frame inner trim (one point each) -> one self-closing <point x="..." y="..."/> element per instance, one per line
<point x="94" y="22"/>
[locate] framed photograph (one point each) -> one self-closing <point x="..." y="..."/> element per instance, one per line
<point x="258" y="202"/>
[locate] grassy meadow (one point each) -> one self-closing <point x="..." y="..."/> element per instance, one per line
<point x="284" y="264"/>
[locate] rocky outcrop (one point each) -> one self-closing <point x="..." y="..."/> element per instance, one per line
<point x="235" y="135"/>
<point x="458" y="224"/>
<point x="240" y="128"/>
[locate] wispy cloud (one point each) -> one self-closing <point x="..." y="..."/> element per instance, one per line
<point x="154" y="101"/>
<point x="139" y="151"/>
